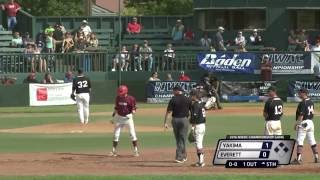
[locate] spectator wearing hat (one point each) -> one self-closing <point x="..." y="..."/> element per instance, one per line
<point x="218" y="40"/>
<point x="11" y="8"/>
<point x="134" y="27"/>
<point x="266" y="68"/>
<point x="184" y="77"/>
<point x="240" y="39"/>
<point x="177" y="31"/>
<point x="85" y="28"/>
<point x="255" y="39"/>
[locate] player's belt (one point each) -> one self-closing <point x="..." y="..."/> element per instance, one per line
<point x="272" y="119"/>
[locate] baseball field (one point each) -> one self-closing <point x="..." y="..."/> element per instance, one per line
<point x="50" y="143"/>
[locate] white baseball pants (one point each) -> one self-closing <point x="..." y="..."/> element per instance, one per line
<point x="83" y="100"/>
<point x="123" y="121"/>
<point x="199" y="131"/>
<point x="304" y="132"/>
<point x="273" y="128"/>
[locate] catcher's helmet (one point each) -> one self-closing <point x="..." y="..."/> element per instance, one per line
<point x="122" y="90"/>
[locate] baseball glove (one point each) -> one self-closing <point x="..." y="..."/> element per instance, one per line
<point x="73" y="97"/>
<point x="191" y="137"/>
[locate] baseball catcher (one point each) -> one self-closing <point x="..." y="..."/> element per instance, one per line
<point x="206" y="91"/>
<point x="197" y="120"/>
<point x="304" y="126"/>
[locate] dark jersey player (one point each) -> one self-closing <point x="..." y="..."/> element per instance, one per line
<point x="304" y="126"/>
<point x="198" y="127"/>
<point x="272" y="113"/>
<point x="81" y="86"/>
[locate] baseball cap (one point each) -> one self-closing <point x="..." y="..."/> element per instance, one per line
<point x="85" y="21"/>
<point x="272" y="88"/>
<point x="265" y="56"/>
<point x="178" y="88"/>
<point x="255" y="30"/>
<point x="220" y="28"/>
<point x="303" y="90"/>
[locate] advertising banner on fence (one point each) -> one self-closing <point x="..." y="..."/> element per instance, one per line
<point x="228" y="62"/>
<point x="50" y="94"/>
<point x="161" y="91"/>
<point x="291" y="63"/>
<point x="245" y="91"/>
<point x="312" y="86"/>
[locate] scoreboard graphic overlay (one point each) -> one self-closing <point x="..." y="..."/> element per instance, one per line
<point x="237" y="151"/>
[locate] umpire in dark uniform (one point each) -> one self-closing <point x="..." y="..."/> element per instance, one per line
<point x="179" y="106"/>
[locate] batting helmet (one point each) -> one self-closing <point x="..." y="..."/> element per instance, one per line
<point x="122" y="90"/>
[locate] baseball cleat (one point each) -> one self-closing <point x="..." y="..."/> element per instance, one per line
<point x="113" y="154"/>
<point x="198" y="164"/>
<point x="179" y="161"/>
<point x="296" y="162"/>
<point x="136" y="154"/>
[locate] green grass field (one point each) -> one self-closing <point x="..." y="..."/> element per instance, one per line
<point x="218" y="126"/>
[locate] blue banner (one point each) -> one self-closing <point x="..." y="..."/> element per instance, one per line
<point x="228" y="62"/>
<point x="161" y="91"/>
<point x="312" y="86"/>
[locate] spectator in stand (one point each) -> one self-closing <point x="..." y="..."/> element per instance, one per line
<point x="40" y="40"/>
<point x="218" y="40"/>
<point x="50" y="43"/>
<point x="292" y="38"/>
<point x="68" y="43"/>
<point x="240" y="39"/>
<point x="301" y="38"/>
<point x="92" y="40"/>
<point x="122" y="60"/>
<point x="316" y="53"/>
<point x="85" y="28"/>
<point x="241" y="48"/>
<point x="27" y="40"/>
<point x="184" y="77"/>
<point x="212" y="49"/>
<point x="306" y="46"/>
<point x="146" y="55"/>
<point x="169" y="77"/>
<point x="48" y="79"/>
<point x="80" y="41"/>
<point x="255" y="39"/>
<point x="135" y="57"/>
<point x="29" y="55"/>
<point x="168" y="58"/>
<point x="31" y="78"/>
<point x="49" y="29"/>
<point x="16" y="40"/>
<point x="68" y="77"/>
<point x="177" y="31"/>
<point x="188" y="35"/>
<point x="7" y="81"/>
<point x="266" y="68"/>
<point x="11" y="8"/>
<point x="134" y="27"/>
<point x="206" y="40"/>
<point x="154" y="77"/>
<point x="58" y="35"/>
<point x="38" y="58"/>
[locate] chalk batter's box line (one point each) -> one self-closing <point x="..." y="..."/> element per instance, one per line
<point x="217" y="146"/>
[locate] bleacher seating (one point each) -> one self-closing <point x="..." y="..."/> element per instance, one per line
<point x="5" y="40"/>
